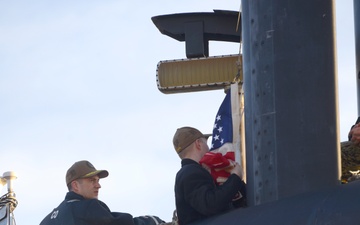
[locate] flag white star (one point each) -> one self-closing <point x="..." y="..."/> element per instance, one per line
<point x="220" y="129"/>
<point x="218" y="118"/>
<point x="216" y="137"/>
<point x="222" y="141"/>
<point x="215" y="126"/>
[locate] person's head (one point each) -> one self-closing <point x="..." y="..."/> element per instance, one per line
<point x="190" y="143"/>
<point x="83" y="179"/>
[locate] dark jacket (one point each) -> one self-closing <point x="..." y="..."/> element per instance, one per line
<point x="75" y="210"/>
<point x="198" y="197"/>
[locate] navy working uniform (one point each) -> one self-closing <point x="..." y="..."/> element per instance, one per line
<point x="198" y="197"/>
<point x="76" y="210"/>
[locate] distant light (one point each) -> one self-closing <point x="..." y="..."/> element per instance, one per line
<point x="189" y="75"/>
<point x="8" y="178"/>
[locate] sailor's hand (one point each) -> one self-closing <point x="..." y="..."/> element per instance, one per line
<point x="237" y="170"/>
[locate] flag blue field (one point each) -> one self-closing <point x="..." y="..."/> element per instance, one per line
<point x="223" y="127"/>
<point x="226" y="130"/>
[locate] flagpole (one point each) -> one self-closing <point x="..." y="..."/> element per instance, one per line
<point x="242" y="132"/>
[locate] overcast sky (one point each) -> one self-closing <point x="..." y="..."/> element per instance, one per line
<point x="78" y="81"/>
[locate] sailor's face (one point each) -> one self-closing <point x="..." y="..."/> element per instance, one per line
<point x="88" y="187"/>
<point x="204" y="145"/>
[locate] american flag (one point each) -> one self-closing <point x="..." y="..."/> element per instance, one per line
<point x="225" y="146"/>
